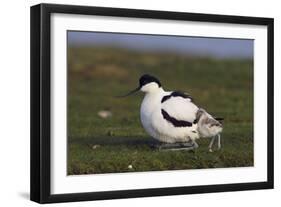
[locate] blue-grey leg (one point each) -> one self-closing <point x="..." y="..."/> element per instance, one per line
<point x="211" y="143"/>
<point x="219" y="141"/>
<point x="195" y="145"/>
<point x="178" y="146"/>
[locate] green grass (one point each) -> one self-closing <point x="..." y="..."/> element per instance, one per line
<point x="95" y="75"/>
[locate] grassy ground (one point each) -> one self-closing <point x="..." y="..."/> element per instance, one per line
<point x="119" y="143"/>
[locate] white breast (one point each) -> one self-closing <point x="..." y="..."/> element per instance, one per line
<point x="150" y="104"/>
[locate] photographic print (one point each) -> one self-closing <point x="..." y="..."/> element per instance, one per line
<point x="132" y="103"/>
<point x="191" y="107"/>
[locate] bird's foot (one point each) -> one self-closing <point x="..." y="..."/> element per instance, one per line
<point x="176" y="146"/>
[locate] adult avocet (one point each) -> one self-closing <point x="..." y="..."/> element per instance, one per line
<point x="169" y="117"/>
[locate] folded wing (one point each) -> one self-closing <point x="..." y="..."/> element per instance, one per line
<point x="180" y="107"/>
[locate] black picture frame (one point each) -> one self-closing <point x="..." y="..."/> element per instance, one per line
<point x="41" y="99"/>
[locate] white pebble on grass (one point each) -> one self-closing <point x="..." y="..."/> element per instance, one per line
<point x="104" y="114"/>
<point x="95" y="146"/>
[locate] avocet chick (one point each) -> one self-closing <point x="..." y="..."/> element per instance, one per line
<point x="208" y="127"/>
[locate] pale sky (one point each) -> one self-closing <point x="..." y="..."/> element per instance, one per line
<point x="203" y="46"/>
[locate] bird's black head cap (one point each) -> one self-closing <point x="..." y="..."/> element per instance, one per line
<point x="145" y="79"/>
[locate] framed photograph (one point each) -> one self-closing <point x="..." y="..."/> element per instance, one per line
<point x="133" y="103"/>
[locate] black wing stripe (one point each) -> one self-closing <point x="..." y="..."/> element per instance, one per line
<point x="175" y="122"/>
<point x="165" y="98"/>
<point x="176" y="94"/>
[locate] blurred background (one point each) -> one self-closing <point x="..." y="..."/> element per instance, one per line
<point x="195" y="46"/>
<point x="105" y="134"/>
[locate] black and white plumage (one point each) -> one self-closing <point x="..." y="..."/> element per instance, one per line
<point x="169" y="117"/>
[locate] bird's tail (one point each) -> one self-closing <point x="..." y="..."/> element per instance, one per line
<point x="219" y="119"/>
